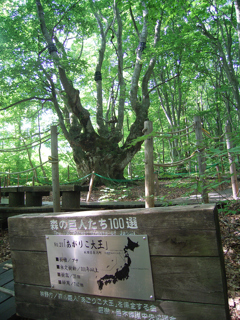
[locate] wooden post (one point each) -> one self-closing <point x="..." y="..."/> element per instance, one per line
<point x="163" y="155"/>
<point x="219" y="176"/>
<point x="222" y="166"/>
<point x="33" y="180"/>
<point x="233" y="172"/>
<point x="156" y="183"/>
<point x="55" y="172"/>
<point x="68" y="174"/>
<point x="201" y="158"/>
<point x="149" y="170"/>
<point x="130" y="170"/>
<point x="8" y="178"/>
<point x="90" y="187"/>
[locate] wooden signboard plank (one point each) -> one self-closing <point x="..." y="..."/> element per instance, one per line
<point x="178" y="230"/>
<point x="183" y="279"/>
<point x="197" y="216"/>
<point x="178" y="278"/>
<point x="190" y="311"/>
<point x="185" y="254"/>
<point x="174" y="242"/>
<point x="94" y="308"/>
<point x="31" y="267"/>
<point x="181" y="311"/>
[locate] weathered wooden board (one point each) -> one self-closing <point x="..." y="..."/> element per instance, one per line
<point x="172" y="242"/>
<point x="185" y="254"/>
<point x="178" y="278"/>
<point x="172" y="231"/>
<point x="44" y="301"/>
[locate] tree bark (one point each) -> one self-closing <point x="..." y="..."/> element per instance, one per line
<point x="149" y="169"/>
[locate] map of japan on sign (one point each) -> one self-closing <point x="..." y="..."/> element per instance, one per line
<point x="112" y="266"/>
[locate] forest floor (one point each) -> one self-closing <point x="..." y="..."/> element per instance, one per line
<point x="229" y="219"/>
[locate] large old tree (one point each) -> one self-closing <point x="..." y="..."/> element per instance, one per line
<point x="93" y="61"/>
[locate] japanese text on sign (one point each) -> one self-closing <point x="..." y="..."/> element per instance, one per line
<point x="117" y="266"/>
<point x="121" y="308"/>
<point x="88" y="224"/>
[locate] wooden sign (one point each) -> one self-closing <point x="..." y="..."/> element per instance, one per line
<point x="185" y="255"/>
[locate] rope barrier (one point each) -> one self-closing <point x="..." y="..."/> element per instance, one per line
<point x="77" y="180"/>
<point x="32" y="169"/>
<point x="173" y="164"/>
<point x="30" y="137"/>
<point x="209" y="135"/>
<point x="172" y="135"/>
<point x="175" y="132"/>
<point x="23" y="148"/>
<point x="118" y="180"/>
<point x="109" y="179"/>
<point x="180" y="136"/>
<point x="55" y="160"/>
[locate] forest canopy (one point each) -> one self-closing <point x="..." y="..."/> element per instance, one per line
<point x="101" y="68"/>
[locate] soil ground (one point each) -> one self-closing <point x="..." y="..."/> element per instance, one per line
<point x="229" y="218"/>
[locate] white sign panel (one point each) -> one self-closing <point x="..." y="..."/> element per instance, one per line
<point x="112" y="266"/>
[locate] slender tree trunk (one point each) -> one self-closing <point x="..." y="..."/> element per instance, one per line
<point x="149" y="170"/>
<point x="237" y="9"/>
<point x="201" y="158"/>
<point x="233" y="171"/>
<point x="40" y="151"/>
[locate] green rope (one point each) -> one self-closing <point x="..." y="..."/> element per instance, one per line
<point x="212" y="165"/>
<point x="98" y="175"/>
<point x="118" y="180"/>
<point x="176" y="174"/>
<point x="77" y="180"/>
<point x="165" y="174"/>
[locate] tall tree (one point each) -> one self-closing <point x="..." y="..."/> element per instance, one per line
<point x="217" y="24"/>
<point x="52" y="49"/>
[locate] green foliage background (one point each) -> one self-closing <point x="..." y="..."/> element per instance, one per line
<point x="197" y="73"/>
